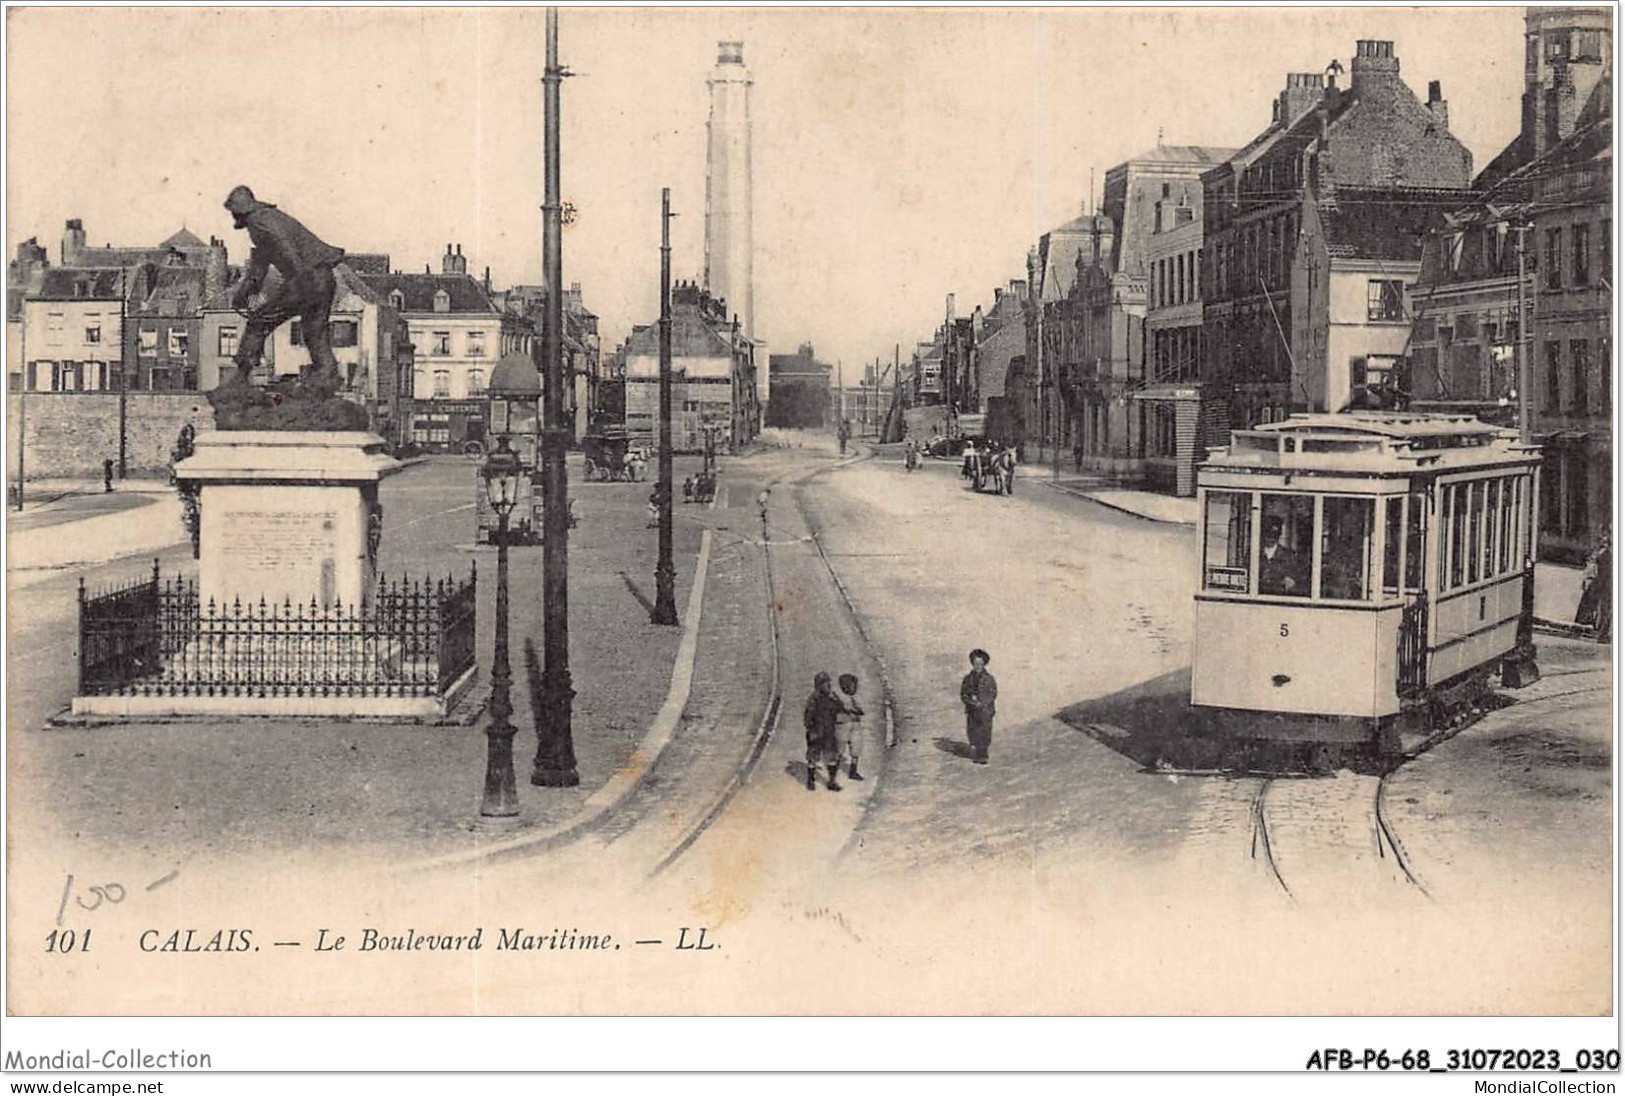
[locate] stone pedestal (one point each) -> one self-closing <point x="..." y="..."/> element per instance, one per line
<point x="286" y="515"/>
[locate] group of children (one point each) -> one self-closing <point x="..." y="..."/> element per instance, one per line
<point x="834" y="725"/>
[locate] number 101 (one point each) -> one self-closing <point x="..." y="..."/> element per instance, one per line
<point x="63" y="941"/>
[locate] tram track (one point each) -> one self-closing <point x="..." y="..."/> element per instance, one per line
<point x="1325" y="839"/>
<point x="772" y="709"/>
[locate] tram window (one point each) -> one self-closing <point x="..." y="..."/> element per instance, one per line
<point x="1393" y="539"/>
<point x="1475" y="528"/>
<point x="1227" y="554"/>
<point x="1414" y="519"/>
<point x="1287" y="546"/>
<point x="1459" y="507"/>
<point x="1492" y="507"/>
<point x="1509" y="527"/>
<point x="1345" y="548"/>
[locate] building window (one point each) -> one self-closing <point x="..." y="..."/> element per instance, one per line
<point x="442" y="384"/>
<point x="296" y="332"/>
<point x="1588" y="45"/>
<point x="343" y="332"/>
<point x="1557" y="46"/>
<point x="1554" y="258"/>
<point x="1580" y="244"/>
<point x="441" y="344"/>
<point x="1554" y="380"/>
<point x="148" y="342"/>
<point x="476" y="382"/>
<point x="1605" y="378"/>
<point x="442" y="301"/>
<point x="93" y="332"/>
<point x="1384" y="300"/>
<point x="55" y="323"/>
<point x="476" y="344"/>
<point x="1580" y="374"/>
<point x="228" y="342"/>
<point x="179" y="340"/>
<point x="397" y="300"/>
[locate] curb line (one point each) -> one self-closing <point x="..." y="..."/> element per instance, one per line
<point x="1052" y="485"/>
<point x="624" y="781"/>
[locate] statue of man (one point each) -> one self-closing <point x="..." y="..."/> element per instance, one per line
<point x="306" y="290"/>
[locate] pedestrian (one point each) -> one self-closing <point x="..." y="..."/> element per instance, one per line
<point x="1596" y="608"/>
<point x="823" y="709"/>
<point x="979" y="692"/>
<point x="851" y="724"/>
<point x="654" y="508"/>
<point x="688" y="489"/>
<point x="107" y="475"/>
<point x="1077" y="454"/>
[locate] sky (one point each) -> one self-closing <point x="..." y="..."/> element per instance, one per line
<point x="899" y="154"/>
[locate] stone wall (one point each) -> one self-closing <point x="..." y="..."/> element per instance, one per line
<point x="69" y="434"/>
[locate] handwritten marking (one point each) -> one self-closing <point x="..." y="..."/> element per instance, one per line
<point x="67" y="889"/>
<point x="156" y="883"/>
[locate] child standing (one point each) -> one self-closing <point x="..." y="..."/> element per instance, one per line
<point x="851" y="723"/>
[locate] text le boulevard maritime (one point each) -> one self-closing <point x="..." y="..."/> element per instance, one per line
<point x="240" y="940"/>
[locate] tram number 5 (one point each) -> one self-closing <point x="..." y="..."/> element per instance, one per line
<point x="1285" y="631"/>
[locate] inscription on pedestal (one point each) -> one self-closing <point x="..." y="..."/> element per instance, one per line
<point x="281" y="553"/>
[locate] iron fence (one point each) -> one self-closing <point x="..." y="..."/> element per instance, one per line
<point x="159" y="638"/>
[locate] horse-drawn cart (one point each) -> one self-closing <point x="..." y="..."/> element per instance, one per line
<point x="610" y="454"/>
<point x="991" y="467"/>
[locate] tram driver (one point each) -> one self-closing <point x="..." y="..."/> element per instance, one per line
<point x="1281" y="570"/>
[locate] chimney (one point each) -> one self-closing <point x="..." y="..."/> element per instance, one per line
<point x="488" y="280"/>
<point x="1303" y="90"/>
<point x="1375" y="68"/>
<point x="998" y="295"/>
<point x="1438" y="105"/>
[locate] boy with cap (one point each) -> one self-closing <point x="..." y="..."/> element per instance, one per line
<point x="979" y="692"/>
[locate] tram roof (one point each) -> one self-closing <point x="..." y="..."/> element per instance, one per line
<point x="1370" y="442"/>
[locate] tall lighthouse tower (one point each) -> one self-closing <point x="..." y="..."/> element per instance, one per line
<point x="728" y="252"/>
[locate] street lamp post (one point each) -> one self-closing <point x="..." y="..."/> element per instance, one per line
<point x="665" y="609"/>
<point x="555" y="765"/>
<point x="501" y="799"/>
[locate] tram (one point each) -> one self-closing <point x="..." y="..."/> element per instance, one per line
<point x="1362" y="574"/>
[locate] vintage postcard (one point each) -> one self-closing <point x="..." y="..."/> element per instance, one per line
<point x="841" y="512"/>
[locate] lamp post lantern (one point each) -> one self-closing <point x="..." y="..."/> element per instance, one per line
<point x="501" y="799"/>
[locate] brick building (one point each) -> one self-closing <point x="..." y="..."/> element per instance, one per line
<point x="713" y="374"/>
<point x="164" y="328"/>
<point x="1376" y="136"/>
<point x="1547" y="197"/>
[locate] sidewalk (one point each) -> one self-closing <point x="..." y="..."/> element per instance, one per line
<point x="378" y="794"/>
<point x="83" y="529"/>
<point x="1517" y="805"/>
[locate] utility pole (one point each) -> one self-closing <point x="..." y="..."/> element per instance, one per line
<point x="123" y="381"/>
<point x="665" y="610"/>
<point x="555" y="744"/>
<point x="1526" y="372"/>
<point x="22" y="398"/>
